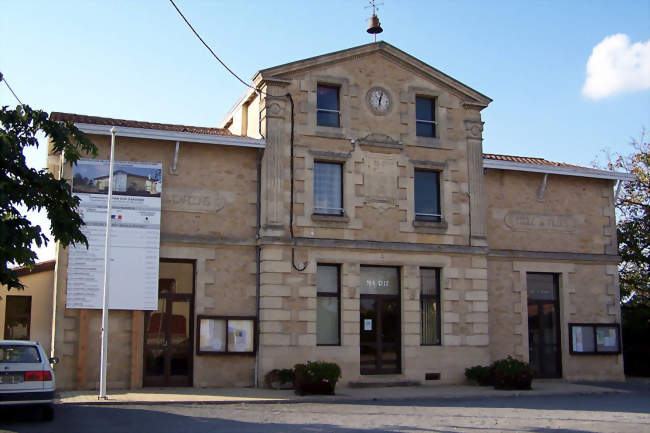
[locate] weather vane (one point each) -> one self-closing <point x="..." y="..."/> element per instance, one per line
<point x="375" y="26"/>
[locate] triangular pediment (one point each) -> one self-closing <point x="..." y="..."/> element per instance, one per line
<point x="284" y="72"/>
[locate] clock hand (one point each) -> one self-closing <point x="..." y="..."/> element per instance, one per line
<point x="381" y="95"/>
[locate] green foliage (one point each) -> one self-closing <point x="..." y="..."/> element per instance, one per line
<point x="317" y="372"/>
<point x="284" y="375"/>
<point x="633" y="229"/>
<point x="511" y="373"/>
<point x="22" y="186"/>
<point x="480" y="374"/>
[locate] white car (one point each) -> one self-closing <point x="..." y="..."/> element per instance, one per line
<point x="26" y="376"/>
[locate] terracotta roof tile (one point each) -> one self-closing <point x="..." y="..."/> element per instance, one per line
<point x="528" y="160"/>
<point x="95" y="120"/>
<point x="38" y="267"/>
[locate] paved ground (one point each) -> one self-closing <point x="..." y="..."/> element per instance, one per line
<point x="253" y="395"/>
<point x="621" y="412"/>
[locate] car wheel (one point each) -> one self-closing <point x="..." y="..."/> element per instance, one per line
<point x="47" y="412"/>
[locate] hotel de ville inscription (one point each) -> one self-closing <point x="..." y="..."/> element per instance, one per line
<point x="522" y="221"/>
<point x="192" y="200"/>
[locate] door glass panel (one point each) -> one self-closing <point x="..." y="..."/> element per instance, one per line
<point x="181" y="274"/>
<point x="179" y="333"/>
<point x="379" y="280"/>
<point x="368" y="331"/>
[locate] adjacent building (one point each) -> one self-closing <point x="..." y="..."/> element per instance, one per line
<point x="344" y="210"/>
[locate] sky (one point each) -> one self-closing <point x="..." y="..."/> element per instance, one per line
<point x="568" y="79"/>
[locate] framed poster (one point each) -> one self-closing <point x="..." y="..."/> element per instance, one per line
<point x="225" y="335"/>
<point x="594" y="338"/>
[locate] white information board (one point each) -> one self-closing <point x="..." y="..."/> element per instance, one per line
<point x="134" y="241"/>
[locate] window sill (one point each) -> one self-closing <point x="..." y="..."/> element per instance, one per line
<point x="324" y="218"/>
<point x="432" y="142"/>
<point x="430" y="226"/>
<point x="329" y="131"/>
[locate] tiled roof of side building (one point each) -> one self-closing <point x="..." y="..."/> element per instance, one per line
<point x="528" y="160"/>
<point x="95" y="120"/>
<point x="38" y="267"/>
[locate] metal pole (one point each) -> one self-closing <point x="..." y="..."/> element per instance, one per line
<point x="102" y="377"/>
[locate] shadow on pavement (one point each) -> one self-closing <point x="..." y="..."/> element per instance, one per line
<point x="92" y="419"/>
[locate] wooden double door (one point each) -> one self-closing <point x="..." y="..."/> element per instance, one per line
<point x="545" y="350"/>
<point x="169" y="330"/>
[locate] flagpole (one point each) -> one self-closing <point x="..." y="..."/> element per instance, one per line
<point x="102" y="377"/>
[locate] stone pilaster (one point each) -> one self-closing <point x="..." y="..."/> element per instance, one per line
<point x="275" y="116"/>
<point x="478" y="222"/>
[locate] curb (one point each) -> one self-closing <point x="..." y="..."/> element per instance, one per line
<point x="335" y="400"/>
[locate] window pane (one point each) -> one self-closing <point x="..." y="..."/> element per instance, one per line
<point x="327" y="279"/>
<point x="212" y="335"/>
<point x="424" y="109"/>
<point x="240" y="335"/>
<point x="429" y="281"/>
<point x="327" y="320"/>
<point x="17" y="317"/>
<point x="425" y="129"/>
<point x="327" y="188"/>
<point x="427" y="195"/>
<point x="379" y="280"/>
<point x="328" y="97"/>
<point x="430" y="321"/>
<point x="327" y="118"/>
<point x="18" y="354"/>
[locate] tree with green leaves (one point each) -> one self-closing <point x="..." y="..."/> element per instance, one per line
<point x="633" y="209"/>
<point x="23" y="188"/>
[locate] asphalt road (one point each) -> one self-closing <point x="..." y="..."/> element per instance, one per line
<point x="549" y="414"/>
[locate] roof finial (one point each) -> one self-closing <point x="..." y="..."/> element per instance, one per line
<point x="375" y="25"/>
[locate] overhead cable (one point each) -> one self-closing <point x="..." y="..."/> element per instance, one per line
<point x="2" y="78"/>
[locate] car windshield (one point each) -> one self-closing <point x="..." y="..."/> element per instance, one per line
<point x="19" y="354"/>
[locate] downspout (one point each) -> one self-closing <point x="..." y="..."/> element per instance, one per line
<point x="258" y="208"/>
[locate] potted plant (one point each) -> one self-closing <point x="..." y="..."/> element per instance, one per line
<point x="279" y="378"/>
<point x="316" y="377"/>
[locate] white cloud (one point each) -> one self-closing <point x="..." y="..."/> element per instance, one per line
<point x="616" y="66"/>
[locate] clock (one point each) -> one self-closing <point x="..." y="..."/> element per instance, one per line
<point x="379" y="100"/>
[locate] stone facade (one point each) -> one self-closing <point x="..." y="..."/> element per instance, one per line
<point x="497" y="226"/>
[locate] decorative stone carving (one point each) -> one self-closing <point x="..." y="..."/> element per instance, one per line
<point x="380" y="140"/>
<point x="474" y="129"/>
<point x="380" y="180"/>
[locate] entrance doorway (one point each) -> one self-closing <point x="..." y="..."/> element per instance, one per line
<point x="380" y="321"/>
<point x="544" y="346"/>
<point x="169" y="331"/>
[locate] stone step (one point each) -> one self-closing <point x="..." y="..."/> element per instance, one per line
<point x="382" y="383"/>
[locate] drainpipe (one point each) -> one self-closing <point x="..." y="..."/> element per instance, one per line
<point x="258" y="207"/>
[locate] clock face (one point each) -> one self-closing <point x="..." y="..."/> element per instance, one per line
<point x="379" y="100"/>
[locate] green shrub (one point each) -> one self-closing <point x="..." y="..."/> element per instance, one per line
<point x="279" y="378"/>
<point x="480" y="374"/>
<point x="316" y="377"/>
<point x="511" y="373"/>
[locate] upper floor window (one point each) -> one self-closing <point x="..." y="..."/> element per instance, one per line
<point x="425" y="120"/>
<point x="328" y="109"/>
<point x="328" y="188"/>
<point x="427" y="195"/>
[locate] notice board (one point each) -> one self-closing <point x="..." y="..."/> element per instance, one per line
<point x="134" y="243"/>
